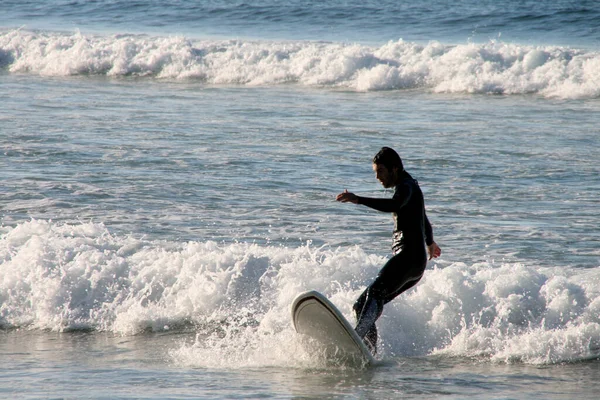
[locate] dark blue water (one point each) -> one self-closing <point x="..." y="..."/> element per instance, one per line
<point x="545" y="22"/>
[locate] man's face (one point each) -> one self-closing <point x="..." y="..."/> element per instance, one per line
<point x="383" y="175"/>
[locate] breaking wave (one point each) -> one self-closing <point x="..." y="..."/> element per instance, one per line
<point x="236" y="298"/>
<point x="491" y="68"/>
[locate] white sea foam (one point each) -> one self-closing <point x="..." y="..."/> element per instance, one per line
<point x="237" y="297"/>
<point x="495" y="67"/>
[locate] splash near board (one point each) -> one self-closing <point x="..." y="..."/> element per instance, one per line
<point x="315" y="316"/>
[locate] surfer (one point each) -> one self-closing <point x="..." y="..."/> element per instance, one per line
<point x="412" y="240"/>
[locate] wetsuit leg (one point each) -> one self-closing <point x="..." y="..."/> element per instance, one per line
<point x="409" y="284"/>
<point x="367" y="310"/>
<point x="370" y="312"/>
<point x="399" y="274"/>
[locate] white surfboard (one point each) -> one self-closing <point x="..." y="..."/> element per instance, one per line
<point x="315" y="316"/>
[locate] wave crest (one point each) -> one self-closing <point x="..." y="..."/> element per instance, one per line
<point x="237" y="297"/>
<point x="491" y="68"/>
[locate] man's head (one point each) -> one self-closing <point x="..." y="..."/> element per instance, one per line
<point x="387" y="165"/>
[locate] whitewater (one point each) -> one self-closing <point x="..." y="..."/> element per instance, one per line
<point x="494" y="67"/>
<point x="81" y="277"/>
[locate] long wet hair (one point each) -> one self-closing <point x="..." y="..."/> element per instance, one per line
<point x="389" y="159"/>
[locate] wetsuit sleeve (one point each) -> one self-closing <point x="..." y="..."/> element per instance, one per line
<point x="428" y="230"/>
<point x="401" y="197"/>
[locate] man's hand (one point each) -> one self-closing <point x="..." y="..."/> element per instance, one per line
<point x="347" y="197"/>
<point x="434" y="250"/>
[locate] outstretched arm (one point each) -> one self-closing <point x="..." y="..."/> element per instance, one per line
<point x="379" y="204"/>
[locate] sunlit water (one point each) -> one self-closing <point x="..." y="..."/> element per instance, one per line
<point x="165" y="197"/>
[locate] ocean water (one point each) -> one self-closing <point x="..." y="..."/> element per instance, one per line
<point x="168" y="180"/>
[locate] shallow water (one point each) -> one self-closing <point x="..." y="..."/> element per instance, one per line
<point x="79" y="365"/>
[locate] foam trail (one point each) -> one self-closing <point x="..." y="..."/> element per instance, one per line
<point x="494" y="67"/>
<point x="236" y="298"/>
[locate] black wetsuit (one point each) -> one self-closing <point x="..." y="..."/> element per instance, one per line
<point x="412" y="231"/>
